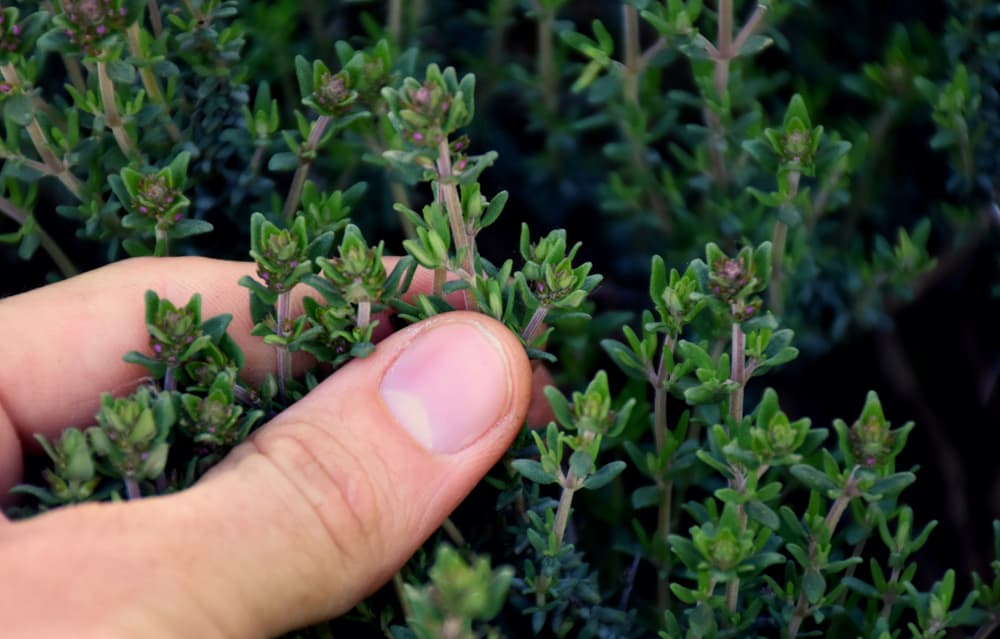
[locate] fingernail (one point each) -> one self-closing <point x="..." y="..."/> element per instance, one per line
<point x="449" y="386"/>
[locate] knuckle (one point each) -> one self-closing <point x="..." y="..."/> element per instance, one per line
<point x="341" y="488"/>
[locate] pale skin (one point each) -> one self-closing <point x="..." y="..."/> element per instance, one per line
<point x="316" y="511"/>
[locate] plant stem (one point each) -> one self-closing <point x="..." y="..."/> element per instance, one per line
<point x="630" y="35"/>
<point x="499" y="33"/>
<point x="724" y="44"/>
<point x="364" y="314"/>
<point x="417" y="10"/>
<point x="634" y="65"/>
<point x="49" y="245"/>
<point x="162" y="248"/>
<point x="132" y="490"/>
<point x="802" y="607"/>
<point x="545" y="64"/>
<point x="722" y="53"/>
<point x="738" y="483"/>
<point x="395" y="20"/>
<point x="150" y="83"/>
<point x="41" y="142"/>
<point x="818" y="207"/>
<point x="450" y="529"/>
<point x="397" y="585"/>
<point x="155" y="18"/>
<point x="732" y="594"/>
<point x="169" y="381"/>
<point x="75" y="73"/>
<point x="448" y="192"/>
<point x="738" y="372"/>
<point x="987" y="628"/>
<point x="726" y="48"/>
<point x="889" y="597"/>
<point x="306" y="156"/>
<point x="112" y="117"/>
<point x="257" y="159"/>
<point x="559" y="528"/>
<point x="400" y="195"/>
<point x="440" y="275"/>
<point x="284" y="358"/>
<point x="779" y="239"/>
<point x="34" y="165"/>
<point x="665" y="507"/>
<point x="564" y="508"/>
<point x="534" y="326"/>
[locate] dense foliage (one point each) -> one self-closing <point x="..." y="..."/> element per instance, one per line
<point x="792" y="208"/>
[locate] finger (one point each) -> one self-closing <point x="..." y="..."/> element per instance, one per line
<point x="65" y="341"/>
<point x="321" y="507"/>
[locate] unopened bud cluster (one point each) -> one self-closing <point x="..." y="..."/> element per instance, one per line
<point x="156" y="199"/>
<point x="334" y="93"/>
<point x="87" y="23"/>
<point x="10" y="36"/>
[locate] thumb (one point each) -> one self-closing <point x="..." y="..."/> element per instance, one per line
<point x="321" y="506"/>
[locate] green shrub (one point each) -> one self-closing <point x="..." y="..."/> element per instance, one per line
<point x="744" y="175"/>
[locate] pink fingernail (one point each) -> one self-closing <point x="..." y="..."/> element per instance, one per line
<point x="449" y="386"/>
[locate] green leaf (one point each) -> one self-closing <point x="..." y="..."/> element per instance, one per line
<point x="696" y="354"/>
<point x="29" y="244"/>
<point x="729" y="496"/>
<point x="755" y="44"/>
<point x="813" y="585"/>
<point x="864" y="589"/>
<point x="362" y="350"/>
<point x="605" y="475"/>
<point x="177" y="169"/>
<point x="762" y="514"/>
<point x="135" y="248"/>
<point x="215" y="327"/>
<point x="646" y="496"/>
<point x="891" y="485"/>
<point x="37" y="492"/>
<point x="813" y="478"/>
<point x="625" y="359"/>
<point x="284" y="161"/>
<point x="188" y="227"/>
<point x="18" y="109"/>
<point x="532" y="471"/>
<point x="581" y="463"/>
<point x="303" y="73"/>
<point x="155" y="367"/>
<point x="55" y="41"/>
<point x="121" y="72"/>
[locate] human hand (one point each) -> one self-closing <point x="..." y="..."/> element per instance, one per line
<point x="318" y="509"/>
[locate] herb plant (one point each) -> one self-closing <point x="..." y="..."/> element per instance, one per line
<point x="746" y="225"/>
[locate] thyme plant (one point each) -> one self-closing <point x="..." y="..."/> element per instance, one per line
<point x="674" y="493"/>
